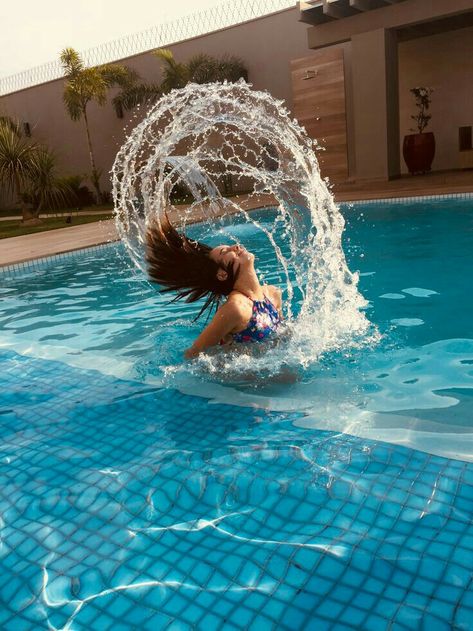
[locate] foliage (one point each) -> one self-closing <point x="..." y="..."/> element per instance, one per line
<point x="423" y="100"/>
<point x="17" y="161"/>
<point x="176" y="75"/>
<point x="199" y="69"/>
<point x="12" y="124"/>
<point x="80" y="195"/>
<point x="84" y="85"/>
<point x="16" y="157"/>
<point x="134" y="93"/>
<point x="28" y="170"/>
<point x="206" y="69"/>
<point x="44" y="189"/>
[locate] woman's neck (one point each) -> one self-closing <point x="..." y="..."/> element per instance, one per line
<point x="248" y="284"/>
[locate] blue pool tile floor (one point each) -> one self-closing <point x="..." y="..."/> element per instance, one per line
<point x="124" y="506"/>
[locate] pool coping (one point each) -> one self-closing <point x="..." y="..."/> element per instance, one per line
<point x="41" y="262"/>
<point x="109" y="235"/>
<point x="407" y="198"/>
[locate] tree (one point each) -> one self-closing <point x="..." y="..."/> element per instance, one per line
<point x="176" y="75"/>
<point x="199" y="69"/>
<point x="28" y="170"/>
<point x="45" y="190"/>
<point x="206" y="69"/>
<point x="17" y="164"/>
<point x="134" y="93"/>
<point x="84" y="85"/>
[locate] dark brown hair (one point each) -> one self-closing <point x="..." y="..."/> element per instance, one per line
<point x="182" y="265"/>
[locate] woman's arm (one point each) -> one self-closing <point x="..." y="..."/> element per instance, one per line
<point x="223" y="322"/>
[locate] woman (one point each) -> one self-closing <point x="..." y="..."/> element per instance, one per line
<point x="251" y="312"/>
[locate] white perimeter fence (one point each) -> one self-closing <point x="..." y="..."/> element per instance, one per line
<point x="228" y="13"/>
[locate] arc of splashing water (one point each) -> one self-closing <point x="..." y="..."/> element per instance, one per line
<point x="198" y="132"/>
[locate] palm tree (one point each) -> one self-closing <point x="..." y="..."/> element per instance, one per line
<point x="17" y="163"/>
<point x="45" y="189"/>
<point x="134" y="93"/>
<point x="84" y="85"/>
<point x="176" y="75"/>
<point x="206" y="69"/>
<point x="199" y="69"/>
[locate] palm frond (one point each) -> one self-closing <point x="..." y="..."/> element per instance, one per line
<point x="176" y="75"/>
<point x="165" y="55"/>
<point x="231" y="68"/>
<point x="16" y="158"/>
<point x="73" y="102"/>
<point x="71" y="62"/>
<point x="134" y="95"/>
<point x="202" y="68"/>
<point x="47" y="190"/>
<point x="116" y="74"/>
<point x="11" y="123"/>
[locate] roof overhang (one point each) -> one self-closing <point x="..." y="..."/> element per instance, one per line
<point x="409" y="19"/>
<point x="320" y="11"/>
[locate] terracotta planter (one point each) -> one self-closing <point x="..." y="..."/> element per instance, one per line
<point x="418" y="151"/>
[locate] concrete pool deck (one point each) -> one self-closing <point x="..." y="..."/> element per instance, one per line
<point x="33" y="246"/>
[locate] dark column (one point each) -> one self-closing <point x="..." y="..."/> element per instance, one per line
<point x="375" y="104"/>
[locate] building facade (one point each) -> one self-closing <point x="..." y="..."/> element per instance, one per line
<point x="344" y="68"/>
<point x="386" y="47"/>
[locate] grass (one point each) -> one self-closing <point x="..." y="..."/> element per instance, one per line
<point x="15" y="229"/>
<point x="16" y="212"/>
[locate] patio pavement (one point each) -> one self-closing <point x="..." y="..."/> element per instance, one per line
<point x="32" y="246"/>
<point x="435" y="183"/>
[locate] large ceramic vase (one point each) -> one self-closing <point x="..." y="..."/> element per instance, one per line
<point x="419" y="151"/>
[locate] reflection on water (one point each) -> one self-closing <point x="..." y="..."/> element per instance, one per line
<point x="127" y="506"/>
<point x="413" y="387"/>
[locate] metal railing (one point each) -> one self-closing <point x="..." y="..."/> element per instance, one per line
<point x="228" y="13"/>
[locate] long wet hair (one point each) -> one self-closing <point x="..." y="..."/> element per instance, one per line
<point x="180" y="264"/>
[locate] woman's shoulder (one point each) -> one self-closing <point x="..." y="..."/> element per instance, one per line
<point x="235" y="303"/>
<point x="274" y="294"/>
<point x="272" y="291"/>
<point x="235" y="312"/>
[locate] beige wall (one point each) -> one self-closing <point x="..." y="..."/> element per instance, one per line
<point x="443" y="62"/>
<point x="266" y="45"/>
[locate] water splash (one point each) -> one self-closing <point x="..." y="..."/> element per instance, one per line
<point x="205" y="139"/>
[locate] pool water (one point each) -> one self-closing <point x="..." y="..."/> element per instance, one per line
<point x="135" y="494"/>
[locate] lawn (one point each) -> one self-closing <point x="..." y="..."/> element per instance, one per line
<point x="15" y="229"/>
<point x="16" y="212"/>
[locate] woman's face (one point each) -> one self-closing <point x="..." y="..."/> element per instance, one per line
<point x="235" y="256"/>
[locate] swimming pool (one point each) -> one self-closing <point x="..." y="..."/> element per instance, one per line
<point x="138" y="495"/>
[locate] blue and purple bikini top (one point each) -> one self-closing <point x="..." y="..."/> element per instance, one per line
<point x="263" y="322"/>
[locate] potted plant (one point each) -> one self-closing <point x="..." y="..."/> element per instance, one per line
<point x="419" y="148"/>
